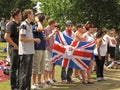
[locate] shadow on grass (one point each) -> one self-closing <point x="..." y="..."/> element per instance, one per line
<point x="112" y="83"/>
<point x="103" y="85"/>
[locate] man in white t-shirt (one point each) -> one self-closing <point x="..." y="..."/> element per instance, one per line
<point x="26" y="50"/>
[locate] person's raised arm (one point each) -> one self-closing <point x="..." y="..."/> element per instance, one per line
<point x="40" y="26"/>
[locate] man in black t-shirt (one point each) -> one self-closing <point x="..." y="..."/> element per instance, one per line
<point x="12" y="36"/>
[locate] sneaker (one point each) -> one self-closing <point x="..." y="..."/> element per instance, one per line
<point x="51" y="82"/>
<point x="55" y="81"/>
<point x="40" y="85"/>
<point x="8" y="58"/>
<point x="110" y="65"/>
<point x="79" y="77"/>
<point x="64" y="81"/>
<point x="99" y="79"/>
<point x="103" y="79"/>
<point x="74" y="79"/>
<point x="35" y="87"/>
<point x="48" y="82"/>
<point x="45" y="85"/>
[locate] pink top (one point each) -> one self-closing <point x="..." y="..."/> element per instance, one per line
<point x="49" y="42"/>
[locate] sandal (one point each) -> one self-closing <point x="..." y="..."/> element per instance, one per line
<point x="84" y="82"/>
<point x="90" y="82"/>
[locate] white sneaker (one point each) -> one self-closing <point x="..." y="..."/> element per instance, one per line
<point x="74" y="79"/>
<point x="39" y="85"/>
<point x="45" y="85"/>
<point x="103" y="79"/>
<point x="35" y="87"/>
<point x="99" y="79"/>
<point x="111" y="65"/>
<point x="51" y="82"/>
<point x="8" y="58"/>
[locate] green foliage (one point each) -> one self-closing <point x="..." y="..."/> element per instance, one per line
<point x="7" y="5"/>
<point x="58" y="9"/>
<point x="102" y="13"/>
<point x="98" y="12"/>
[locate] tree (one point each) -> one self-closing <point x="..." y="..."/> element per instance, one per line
<point x="102" y="13"/>
<point x="7" y="5"/>
<point x="58" y="9"/>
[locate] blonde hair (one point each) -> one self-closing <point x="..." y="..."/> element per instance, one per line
<point x="26" y="12"/>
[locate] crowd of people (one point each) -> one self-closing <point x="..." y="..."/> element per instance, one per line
<point x="30" y="46"/>
<point x="2" y="28"/>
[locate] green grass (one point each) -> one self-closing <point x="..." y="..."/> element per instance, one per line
<point x="2" y="54"/>
<point x="59" y="86"/>
<point x="111" y="84"/>
<point x="6" y="85"/>
<point x="3" y="85"/>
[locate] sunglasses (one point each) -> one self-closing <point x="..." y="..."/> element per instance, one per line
<point x="69" y="25"/>
<point x="57" y="26"/>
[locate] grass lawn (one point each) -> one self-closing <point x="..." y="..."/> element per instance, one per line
<point x="2" y="54"/>
<point x="3" y="85"/>
<point x="6" y="85"/>
<point x="113" y="82"/>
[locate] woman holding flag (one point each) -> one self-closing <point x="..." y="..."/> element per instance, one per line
<point x="79" y="37"/>
<point x="89" y="37"/>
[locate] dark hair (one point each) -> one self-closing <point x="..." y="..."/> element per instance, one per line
<point x="14" y="12"/>
<point x="41" y="16"/>
<point x="57" y="25"/>
<point x="78" y="26"/>
<point x="100" y="33"/>
<point x="51" y="21"/>
<point x="26" y="12"/>
<point x="89" y="25"/>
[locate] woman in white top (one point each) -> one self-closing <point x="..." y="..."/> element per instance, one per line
<point x="89" y="37"/>
<point x="100" y="52"/>
<point x="112" y="46"/>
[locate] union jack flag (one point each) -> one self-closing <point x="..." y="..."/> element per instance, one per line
<point x="70" y="53"/>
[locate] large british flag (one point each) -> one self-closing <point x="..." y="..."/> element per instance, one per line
<point x="71" y="53"/>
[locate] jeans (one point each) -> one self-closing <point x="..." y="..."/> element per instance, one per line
<point x="14" y="68"/>
<point x="99" y="66"/>
<point x="25" y="71"/>
<point x="66" y="76"/>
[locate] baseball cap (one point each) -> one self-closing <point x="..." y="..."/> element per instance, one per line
<point x="79" y="26"/>
<point x="68" y="22"/>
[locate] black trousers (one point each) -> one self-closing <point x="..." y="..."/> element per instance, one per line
<point x="25" y="71"/>
<point x="99" y="66"/>
<point x="14" y="68"/>
<point x="66" y="76"/>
